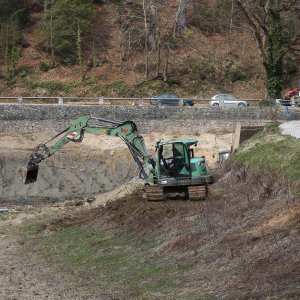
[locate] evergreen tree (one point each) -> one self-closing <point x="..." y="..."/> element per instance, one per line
<point x="14" y="16"/>
<point x="63" y="18"/>
<point x="14" y="10"/>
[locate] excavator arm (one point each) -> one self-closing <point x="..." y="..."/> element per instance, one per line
<point x="126" y="131"/>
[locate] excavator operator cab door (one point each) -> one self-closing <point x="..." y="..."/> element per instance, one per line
<point x="173" y="160"/>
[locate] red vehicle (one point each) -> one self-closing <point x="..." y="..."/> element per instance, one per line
<point x="291" y="93"/>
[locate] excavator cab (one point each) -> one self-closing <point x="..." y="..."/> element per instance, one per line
<point x="174" y="160"/>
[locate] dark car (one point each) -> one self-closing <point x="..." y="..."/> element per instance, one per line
<point x="170" y="99"/>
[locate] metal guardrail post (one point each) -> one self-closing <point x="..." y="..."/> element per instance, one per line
<point x="180" y="102"/>
<point x="60" y="100"/>
<point x="20" y="100"/>
<point x="141" y="102"/>
<point x="101" y="100"/>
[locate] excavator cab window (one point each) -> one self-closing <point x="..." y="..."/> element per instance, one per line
<point x="191" y="152"/>
<point x="172" y="160"/>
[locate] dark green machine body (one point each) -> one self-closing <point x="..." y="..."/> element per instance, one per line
<point x="172" y="171"/>
<point x="179" y="174"/>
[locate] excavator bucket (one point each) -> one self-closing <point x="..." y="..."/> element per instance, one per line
<point x="29" y="174"/>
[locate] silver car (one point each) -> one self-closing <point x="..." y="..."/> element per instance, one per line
<point x="228" y="100"/>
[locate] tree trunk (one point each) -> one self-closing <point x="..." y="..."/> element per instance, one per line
<point x="51" y="29"/>
<point x="181" y="22"/>
<point x="152" y="34"/>
<point x="267" y="31"/>
<point x="158" y="55"/>
<point x="146" y="39"/>
<point x="165" y="73"/>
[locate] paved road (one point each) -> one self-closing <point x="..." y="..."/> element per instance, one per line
<point x="291" y="128"/>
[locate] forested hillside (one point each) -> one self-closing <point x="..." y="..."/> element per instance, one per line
<point x="144" y="47"/>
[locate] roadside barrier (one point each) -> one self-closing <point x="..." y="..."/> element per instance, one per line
<point x="98" y="100"/>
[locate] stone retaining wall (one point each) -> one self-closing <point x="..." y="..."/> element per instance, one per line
<point x="148" y="118"/>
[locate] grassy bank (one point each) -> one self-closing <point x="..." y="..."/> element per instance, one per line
<point x="270" y="151"/>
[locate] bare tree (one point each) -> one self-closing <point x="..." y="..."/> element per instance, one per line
<point x="269" y="22"/>
<point x="137" y="21"/>
<point x="152" y="34"/>
<point x="131" y="29"/>
<point x="150" y="23"/>
<point x="181" y="19"/>
<point x="146" y="39"/>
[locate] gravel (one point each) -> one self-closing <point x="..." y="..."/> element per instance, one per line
<point x="291" y="128"/>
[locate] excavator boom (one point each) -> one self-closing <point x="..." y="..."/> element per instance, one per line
<point x="127" y="131"/>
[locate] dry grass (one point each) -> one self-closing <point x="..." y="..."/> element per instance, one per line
<point x="242" y="242"/>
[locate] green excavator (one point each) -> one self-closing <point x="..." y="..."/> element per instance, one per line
<point x="172" y="173"/>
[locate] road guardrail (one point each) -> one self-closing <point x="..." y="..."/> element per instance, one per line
<point x="93" y="100"/>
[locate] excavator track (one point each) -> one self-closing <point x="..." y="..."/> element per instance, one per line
<point x="197" y="193"/>
<point x="156" y="193"/>
<point x="153" y="193"/>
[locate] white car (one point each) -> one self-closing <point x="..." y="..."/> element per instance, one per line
<point x="229" y="100"/>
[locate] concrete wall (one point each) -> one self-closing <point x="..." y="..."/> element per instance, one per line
<point x="148" y="118"/>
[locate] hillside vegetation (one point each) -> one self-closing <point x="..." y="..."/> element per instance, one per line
<point x="241" y="243"/>
<point x="98" y="48"/>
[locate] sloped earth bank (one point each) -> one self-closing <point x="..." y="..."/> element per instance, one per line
<point x="241" y="243"/>
<point x="65" y="175"/>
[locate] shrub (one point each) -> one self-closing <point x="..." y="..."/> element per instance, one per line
<point x="24" y="71"/>
<point x="118" y="87"/>
<point x="52" y="87"/>
<point x="237" y="75"/>
<point x="44" y="67"/>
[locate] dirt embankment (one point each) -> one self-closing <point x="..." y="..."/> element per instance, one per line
<point x="243" y="242"/>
